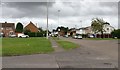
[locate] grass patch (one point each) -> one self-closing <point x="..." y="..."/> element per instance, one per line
<point x="101" y="39"/>
<point x="65" y="44"/>
<point x="25" y="46"/>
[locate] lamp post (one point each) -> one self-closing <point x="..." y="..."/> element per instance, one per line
<point x="81" y="27"/>
<point x="47" y="21"/>
<point x="58" y="24"/>
<point x="58" y="16"/>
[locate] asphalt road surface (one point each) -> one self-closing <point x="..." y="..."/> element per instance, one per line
<point x="90" y="54"/>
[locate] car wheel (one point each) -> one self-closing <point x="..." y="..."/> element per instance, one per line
<point x="20" y="37"/>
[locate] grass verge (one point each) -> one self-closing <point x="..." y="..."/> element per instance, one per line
<point x="65" y="44"/>
<point x="25" y="46"/>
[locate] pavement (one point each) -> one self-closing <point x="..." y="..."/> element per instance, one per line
<point x="55" y="45"/>
<point x="90" y="54"/>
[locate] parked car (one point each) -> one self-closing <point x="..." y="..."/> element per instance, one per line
<point x="12" y="36"/>
<point x="77" y="37"/>
<point x="22" y="36"/>
<point x="90" y="36"/>
<point x="1" y="34"/>
<point x="66" y="36"/>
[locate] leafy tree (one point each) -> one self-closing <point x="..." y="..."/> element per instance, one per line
<point x="53" y="30"/>
<point x="64" y="29"/>
<point x="26" y="31"/>
<point x="98" y="26"/>
<point x="40" y="29"/>
<point x="19" y="27"/>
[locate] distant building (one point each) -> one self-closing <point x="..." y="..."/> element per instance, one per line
<point x="31" y="27"/>
<point x="7" y="29"/>
<point x="108" y="29"/>
<point x="84" y="30"/>
<point x="71" y="32"/>
<point x="88" y="30"/>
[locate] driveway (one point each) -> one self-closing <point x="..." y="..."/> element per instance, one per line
<point x="90" y="54"/>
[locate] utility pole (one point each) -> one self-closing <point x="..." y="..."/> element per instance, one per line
<point x="47" y="21"/>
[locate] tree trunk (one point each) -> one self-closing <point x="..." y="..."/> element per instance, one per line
<point x="101" y="34"/>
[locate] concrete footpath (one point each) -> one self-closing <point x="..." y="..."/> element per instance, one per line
<point x="55" y="45"/>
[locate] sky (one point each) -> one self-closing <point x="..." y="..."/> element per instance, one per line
<point x="73" y="13"/>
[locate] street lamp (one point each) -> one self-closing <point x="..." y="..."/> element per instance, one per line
<point x="58" y="24"/>
<point x="81" y="27"/>
<point x="47" y="21"/>
<point x="58" y="33"/>
<point x="58" y="16"/>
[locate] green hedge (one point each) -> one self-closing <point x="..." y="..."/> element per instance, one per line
<point x="116" y="33"/>
<point x="35" y="34"/>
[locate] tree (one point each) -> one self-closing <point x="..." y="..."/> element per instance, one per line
<point x="98" y="26"/>
<point x="26" y="31"/>
<point x="19" y="27"/>
<point x="40" y="29"/>
<point x="64" y="29"/>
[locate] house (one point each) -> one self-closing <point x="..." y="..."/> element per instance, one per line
<point x="7" y="29"/>
<point x="71" y="32"/>
<point x="31" y="27"/>
<point x="84" y="30"/>
<point x="88" y="31"/>
<point x="80" y="31"/>
<point x="107" y="31"/>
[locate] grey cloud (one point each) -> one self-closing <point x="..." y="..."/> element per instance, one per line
<point x="109" y="4"/>
<point x="28" y="4"/>
<point x="28" y="9"/>
<point x="78" y="10"/>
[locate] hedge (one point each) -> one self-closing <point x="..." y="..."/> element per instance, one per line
<point x="116" y="33"/>
<point x="35" y="34"/>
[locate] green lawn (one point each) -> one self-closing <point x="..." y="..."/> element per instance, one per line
<point x="24" y="46"/>
<point x="101" y="39"/>
<point x="66" y="44"/>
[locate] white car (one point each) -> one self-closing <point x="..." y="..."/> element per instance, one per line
<point x="79" y="37"/>
<point x="91" y="36"/>
<point x="12" y="36"/>
<point x="22" y="36"/>
<point x="75" y="37"/>
<point x="66" y="36"/>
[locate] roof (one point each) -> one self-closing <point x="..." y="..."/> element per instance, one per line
<point x="7" y="24"/>
<point x="31" y="27"/>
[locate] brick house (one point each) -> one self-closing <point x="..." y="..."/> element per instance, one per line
<point x="7" y="29"/>
<point x="71" y="32"/>
<point x="31" y="27"/>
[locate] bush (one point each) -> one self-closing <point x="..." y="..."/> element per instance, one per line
<point x="35" y="34"/>
<point x="116" y="33"/>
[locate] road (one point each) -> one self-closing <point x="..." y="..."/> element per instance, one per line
<point x="90" y="54"/>
<point x="106" y="47"/>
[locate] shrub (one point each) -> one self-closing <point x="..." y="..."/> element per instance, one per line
<point x="116" y="33"/>
<point x="35" y="34"/>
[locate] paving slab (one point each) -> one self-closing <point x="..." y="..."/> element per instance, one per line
<point x="55" y="45"/>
